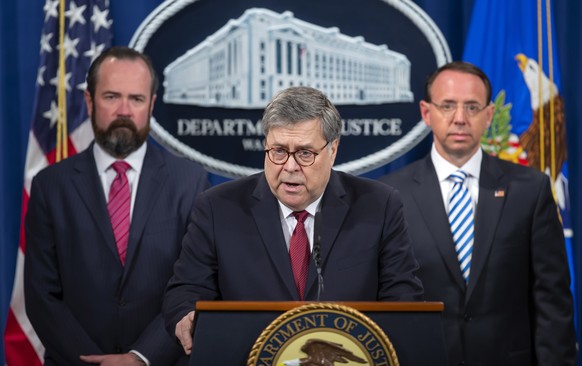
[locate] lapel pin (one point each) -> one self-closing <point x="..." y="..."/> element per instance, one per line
<point x="499" y="193"/>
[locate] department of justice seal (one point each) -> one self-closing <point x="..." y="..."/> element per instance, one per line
<point x="220" y="62"/>
<point x="322" y="334"/>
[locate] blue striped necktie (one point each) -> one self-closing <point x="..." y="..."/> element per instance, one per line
<point x="462" y="221"/>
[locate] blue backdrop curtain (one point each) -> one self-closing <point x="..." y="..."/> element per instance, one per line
<point x="20" y="28"/>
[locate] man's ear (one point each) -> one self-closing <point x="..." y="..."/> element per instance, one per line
<point x="425" y="112"/>
<point x="88" y="102"/>
<point x="152" y="103"/>
<point x="490" y="111"/>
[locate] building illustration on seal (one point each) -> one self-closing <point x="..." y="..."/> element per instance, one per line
<point x="247" y="61"/>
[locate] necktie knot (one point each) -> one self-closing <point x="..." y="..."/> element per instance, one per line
<point x="120" y="166"/>
<point x="301" y="216"/>
<point x="459" y="176"/>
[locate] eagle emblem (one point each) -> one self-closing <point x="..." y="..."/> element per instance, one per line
<point x="322" y="334"/>
<point x="321" y="352"/>
<point x="547" y="105"/>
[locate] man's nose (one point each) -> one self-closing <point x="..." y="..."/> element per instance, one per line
<point x="459" y="116"/>
<point x="291" y="164"/>
<point x="124" y="108"/>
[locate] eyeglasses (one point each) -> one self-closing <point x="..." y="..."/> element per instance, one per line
<point x="303" y="157"/>
<point x="449" y="108"/>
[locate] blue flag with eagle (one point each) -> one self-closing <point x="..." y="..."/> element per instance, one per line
<point x="512" y="42"/>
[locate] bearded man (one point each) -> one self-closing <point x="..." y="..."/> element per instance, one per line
<point x="104" y="228"/>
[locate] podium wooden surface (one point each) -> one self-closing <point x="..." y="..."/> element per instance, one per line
<point x="362" y="306"/>
<point x="225" y="331"/>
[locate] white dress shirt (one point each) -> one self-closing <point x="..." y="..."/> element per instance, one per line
<point x="444" y="169"/>
<point x="288" y="221"/>
<point x="107" y="173"/>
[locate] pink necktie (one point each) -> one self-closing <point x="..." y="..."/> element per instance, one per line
<point x="118" y="206"/>
<point x="299" y="252"/>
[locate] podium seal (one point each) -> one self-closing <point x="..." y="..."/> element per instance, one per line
<point x="322" y="334"/>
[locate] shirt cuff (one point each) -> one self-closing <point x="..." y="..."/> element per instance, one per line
<point x="141" y="357"/>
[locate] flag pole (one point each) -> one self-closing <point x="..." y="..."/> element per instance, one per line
<point x="551" y="74"/>
<point x="62" y="147"/>
<point x="541" y="89"/>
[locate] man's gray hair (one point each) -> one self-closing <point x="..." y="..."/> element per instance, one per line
<point x="299" y="104"/>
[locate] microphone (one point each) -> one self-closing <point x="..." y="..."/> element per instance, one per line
<point x="317" y="252"/>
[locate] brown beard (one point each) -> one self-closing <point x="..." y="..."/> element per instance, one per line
<point x="121" y="138"/>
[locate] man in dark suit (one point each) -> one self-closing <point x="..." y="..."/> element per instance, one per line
<point x="242" y="240"/>
<point x="94" y="289"/>
<point x="506" y="293"/>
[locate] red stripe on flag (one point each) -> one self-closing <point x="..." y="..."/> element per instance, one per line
<point x="19" y="351"/>
<point x="51" y="156"/>
<point x="22" y="242"/>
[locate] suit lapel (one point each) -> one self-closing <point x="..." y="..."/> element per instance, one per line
<point x="266" y="215"/>
<point x="88" y="185"/>
<point x="428" y="194"/>
<point x="333" y="212"/>
<point x="492" y="196"/>
<point x="151" y="181"/>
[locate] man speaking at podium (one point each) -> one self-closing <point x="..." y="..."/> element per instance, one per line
<point x="253" y="238"/>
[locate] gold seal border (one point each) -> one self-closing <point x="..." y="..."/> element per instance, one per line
<point x="365" y="320"/>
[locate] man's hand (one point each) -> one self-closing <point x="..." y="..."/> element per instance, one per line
<point x="184" y="332"/>
<point x="126" y="359"/>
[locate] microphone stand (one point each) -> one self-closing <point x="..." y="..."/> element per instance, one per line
<point x="317" y="252"/>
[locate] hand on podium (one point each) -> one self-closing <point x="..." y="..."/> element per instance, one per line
<point x="113" y="359"/>
<point x="184" y="332"/>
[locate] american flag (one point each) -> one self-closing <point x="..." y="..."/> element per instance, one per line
<point x="65" y="55"/>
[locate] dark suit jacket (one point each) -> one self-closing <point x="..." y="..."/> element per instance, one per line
<point x="235" y="249"/>
<point x="517" y="308"/>
<point x="79" y="298"/>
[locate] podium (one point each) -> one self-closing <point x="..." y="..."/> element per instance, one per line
<point x="225" y="331"/>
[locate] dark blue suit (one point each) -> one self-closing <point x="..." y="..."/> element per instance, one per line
<point x="516" y="308"/>
<point x="79" y="297"/>
<point x="235" y="249"/>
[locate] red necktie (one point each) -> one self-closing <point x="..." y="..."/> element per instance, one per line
<point x="299" y="252"/>
<point x="118" y="206"/>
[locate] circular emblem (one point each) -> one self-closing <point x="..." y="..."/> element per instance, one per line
<point x="220" y="62"/>
<point x="322" y="334"/>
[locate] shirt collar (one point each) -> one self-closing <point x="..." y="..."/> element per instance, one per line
<point x="312" y="208"/>
<point x="444" y="168"/>
<point x="104" y="160"/>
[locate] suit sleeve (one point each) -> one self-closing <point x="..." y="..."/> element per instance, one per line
<point x="156" y="345"/>
<point x="196" y="270"/>
<point x="554" y="331"/>
<point x="398" y="265"/>
<point x="52" y="320"/>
